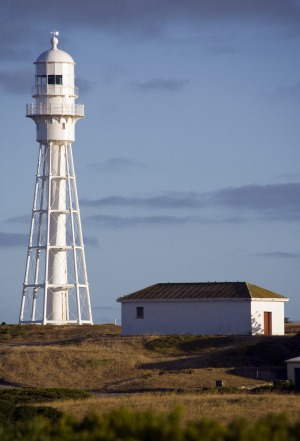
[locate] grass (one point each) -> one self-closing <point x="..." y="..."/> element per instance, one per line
<point x="109" y="365"/>
<point x="56" y="334"/>
<point x="162" y="371"/>
<point x="182" y="344"/>
<point x="98" y="358"/>
<point x="222" y="407"/>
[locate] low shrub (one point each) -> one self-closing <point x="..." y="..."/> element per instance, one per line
<point x="126" y="425"/>
<point x="26" y="413"/>
<point x="16" y="404"/>
<point x="40" y="395"/>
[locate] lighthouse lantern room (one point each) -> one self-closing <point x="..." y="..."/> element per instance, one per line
<point x="55" y="289"/>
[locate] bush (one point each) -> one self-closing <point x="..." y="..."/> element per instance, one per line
<point x="40" y="395"/>
<point x="26" y="413"/>
<point x="15" y="404"/>
<point x="126" y="425"/>
<point x="6" y="411"/>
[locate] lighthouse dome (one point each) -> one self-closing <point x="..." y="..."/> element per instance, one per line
<point x="54" y="55"/>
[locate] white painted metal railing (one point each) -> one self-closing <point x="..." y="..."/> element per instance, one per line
<point x="55" y="109"/>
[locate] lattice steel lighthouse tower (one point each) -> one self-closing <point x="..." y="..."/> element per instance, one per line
<point x="55" y="289"/>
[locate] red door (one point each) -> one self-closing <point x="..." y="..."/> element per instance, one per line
<point x="267" y="323"/>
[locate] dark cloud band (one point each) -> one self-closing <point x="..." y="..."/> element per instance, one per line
<point x="271" y="197"/>
<point x="272" y="202"/>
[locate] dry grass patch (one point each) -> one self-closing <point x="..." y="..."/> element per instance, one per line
<point x="180" y="380"/>
<point x="97" y="357"/>
<point x="110" y="365"/>
<point x="292" y="328"/>
<point x="222" y="407"/>
<point x="85" y="366"/>
<point x="68" y="334"/>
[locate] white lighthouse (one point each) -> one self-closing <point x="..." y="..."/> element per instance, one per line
<point x="55" y="289"/>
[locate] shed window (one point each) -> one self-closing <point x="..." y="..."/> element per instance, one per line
<point x="139" y="312"/>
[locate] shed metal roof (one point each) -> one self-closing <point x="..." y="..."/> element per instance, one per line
<point x="293" y="360"/>
<point x="205" y="290"/>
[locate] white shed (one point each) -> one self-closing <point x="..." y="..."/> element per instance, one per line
<point x="215" y="308"/>
<point x="293" y="371"/>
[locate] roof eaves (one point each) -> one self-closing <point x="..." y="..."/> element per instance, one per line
<point x="186" y="299"/>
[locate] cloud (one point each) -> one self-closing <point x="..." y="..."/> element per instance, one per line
<point x="108" y="221"/>
<point x="91" y="241"/>
<point x="232" y="205"/>
<point x="250" y="197"/>
<point x="115" y="221"/>
<point x="22" y="21"/>
<point x="170" y="84"/>
<point x="279" y="202"/>
<point x="85" y="86"/>
<point x="10" y="240"/>
<point x="129" y="12"/>
<point x="16" y="82"/>
<point x="116" y="165"/>
<point x="88" y="240"/>
<point x="12" y="34"/>
<point x="280" y="255"/>
<point x="168" y="200"/>
<point x="25" y="219"/>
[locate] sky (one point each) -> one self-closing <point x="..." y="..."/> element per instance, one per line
<point x="187" y="161"/>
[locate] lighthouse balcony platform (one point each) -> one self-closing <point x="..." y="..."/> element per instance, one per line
<point x="55" y="109"/>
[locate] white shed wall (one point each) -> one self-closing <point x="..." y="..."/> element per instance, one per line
<point x="292" y="365"/>
<point x="187" y="317"/>
<point x="258" y="307"/>
<point x="291" y="370"/>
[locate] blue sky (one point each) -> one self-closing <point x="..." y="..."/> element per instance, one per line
<point x="188" y="160"/>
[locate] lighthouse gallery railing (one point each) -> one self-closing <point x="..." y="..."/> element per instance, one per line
<point x="55" y="109"/>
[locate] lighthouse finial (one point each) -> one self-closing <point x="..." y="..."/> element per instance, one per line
<point x="54" y="39"/>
